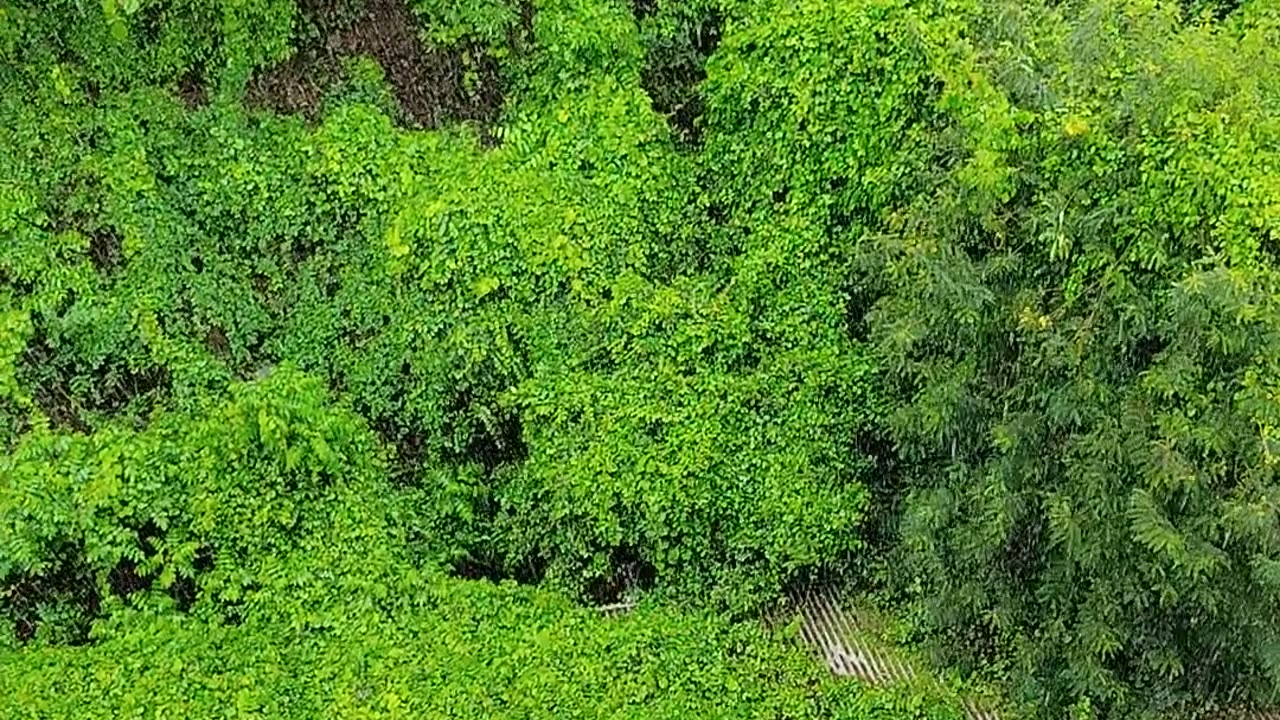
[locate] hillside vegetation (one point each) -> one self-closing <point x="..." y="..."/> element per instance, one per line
<point x="352" y="350"/>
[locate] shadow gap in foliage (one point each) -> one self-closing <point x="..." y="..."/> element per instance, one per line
<point x="27" y="600"/>
<point x="629" y="574"/>
<point x="115" y="388"/>
<point x="642" y="9"/>
<point x="192" y="90"/>
<point x="674" y="71"/>
<point x="433" y="86"/>
<point x="498" y="446"/>
<point x="483" y="566"/>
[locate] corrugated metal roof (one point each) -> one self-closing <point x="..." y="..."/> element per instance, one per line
<point x="615" y="609"/>
<point x="840" y="639"/>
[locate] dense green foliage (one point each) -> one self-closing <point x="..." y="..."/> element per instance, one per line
<point x="1082" y="329"/>
<point x="310" y="604"/>
<point x="315" y="314"/>
<point x="458" y="650"/>
<point x="472" y="304"/>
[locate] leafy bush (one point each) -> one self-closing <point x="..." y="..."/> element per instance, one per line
<point x="218" y="500"/>
<point x="457" y="649"/>
<point x="706" y="432"/>
<point x="488" y="22"/>
<point x="454" y="295"/>
<point x="275" y="507"/>
<point x="833" y="99"/>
